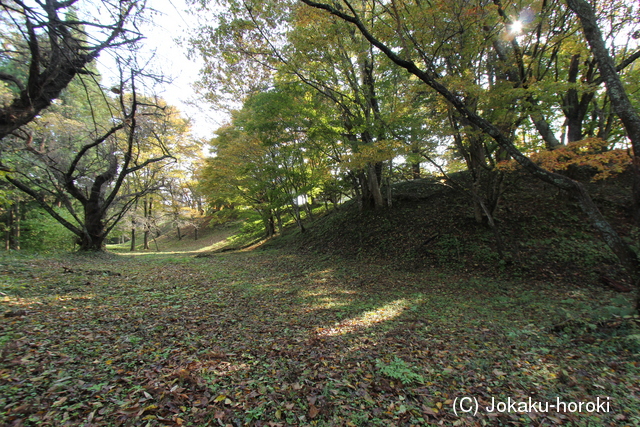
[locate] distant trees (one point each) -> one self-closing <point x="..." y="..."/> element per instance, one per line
<point x="266" y="159"/>
<point x="356" y="110"/>
<point x="163" y="186"/>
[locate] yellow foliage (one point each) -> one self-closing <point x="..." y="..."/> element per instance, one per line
<point x="6" y="96"/>
<point x="590" y="152"/>
<point x="379" y="151"/>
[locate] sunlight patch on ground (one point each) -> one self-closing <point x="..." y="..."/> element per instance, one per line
<point x="212" y="247"/>
<point x="367" y="319"/>
<point x="325" y="298"/>
<point x="118" y="251"/>
<point x="328" y="303"/>
<point x="321" y="276"/>
<point x="323" y="292"/>
<point x="220" y="368"/>
<point x="138" y="254"/>
<point x="29" y="301"/>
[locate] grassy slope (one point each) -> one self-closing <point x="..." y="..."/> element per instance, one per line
<point x="432" y="226"/>
<point x="304" y="337"/>
<point x="210" y="238"/>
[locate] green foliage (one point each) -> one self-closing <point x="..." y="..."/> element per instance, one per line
<point x="265" y="159"/>
<point x="41" y="233"/>
<point x="399" y="370"/>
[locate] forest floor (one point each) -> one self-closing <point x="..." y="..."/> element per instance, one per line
<point x="275" y="338"/>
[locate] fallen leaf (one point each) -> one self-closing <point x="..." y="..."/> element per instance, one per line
<point x="313" y="411"/>
<point x="60" y="401"/>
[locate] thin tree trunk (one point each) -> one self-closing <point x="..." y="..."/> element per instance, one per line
<point x="308" y="210"/>
<point x="494" y="228"/>
<point x="9" y="230"/>
<point x="133" y="236"/>
<point x="543" y="128"/>
<point x="16" y="227"/>
<point x="415" y="166"/>
<point x="388" y="182"/>
<point x="147" y="221"/>
<point x="272" y="225"/>
<point x="278" y="215"/>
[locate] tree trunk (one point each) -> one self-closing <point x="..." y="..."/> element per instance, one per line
<point x="278" y="215"/>
<point x="362" y="191"/>
<point x="271" y="226"/>
<point x="308" y="209"/>
<point x="545" y="131"/>
<point x="179" y="234"/>
<point x="415" y="171"/>
<point x="574" y="105"/>
<point x="93" y="233"/>
<point x="494" y="229"/>
<point x="147" y="221"/>
<point x="269" y="223"/>
<point x="9" y="231"/>
<point x="92" y="243"/>
<point x="133" y="237"/>
<point x="620" y="103"/>
<point x="373" y="182"/>
<point x="15" y="238"/>
<point x="298" y="217"/>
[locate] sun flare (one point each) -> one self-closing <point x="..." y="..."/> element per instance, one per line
<point x="516" y="27"/>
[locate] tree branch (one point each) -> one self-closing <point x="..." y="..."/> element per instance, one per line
<point x="40" y="200"/>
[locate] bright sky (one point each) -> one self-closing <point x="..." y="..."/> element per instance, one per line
<point x="170" y="23"/>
